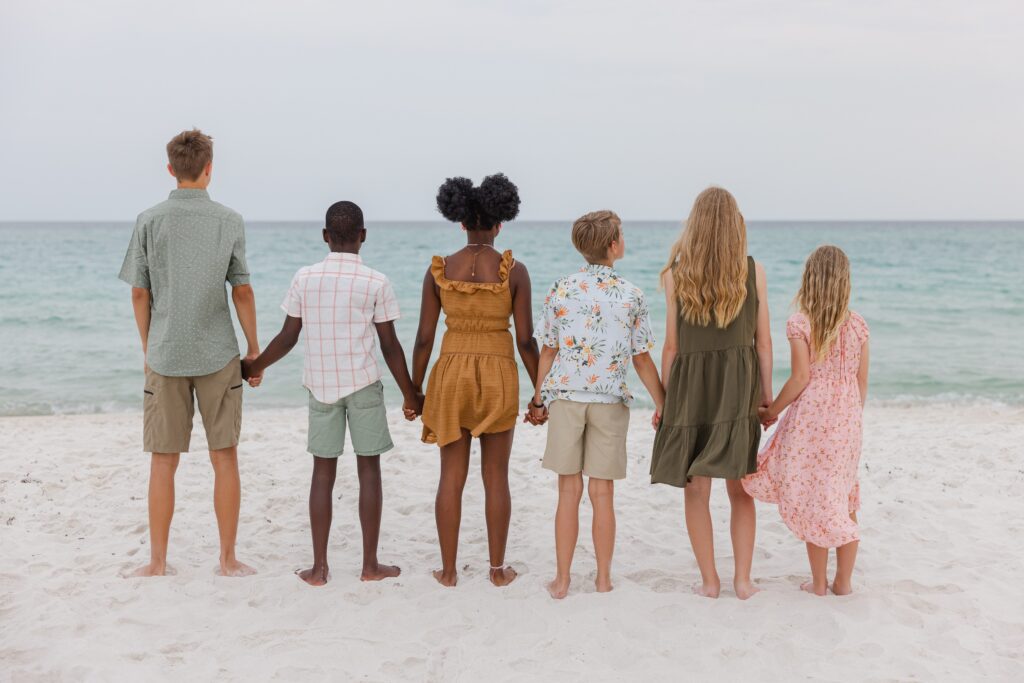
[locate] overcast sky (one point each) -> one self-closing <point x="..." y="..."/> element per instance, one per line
<point x="805" y="109"/>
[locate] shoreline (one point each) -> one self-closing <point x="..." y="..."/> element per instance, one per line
<point x="934" y="592"/>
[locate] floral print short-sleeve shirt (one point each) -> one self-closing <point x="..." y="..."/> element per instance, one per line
<point x="598" y="321"/>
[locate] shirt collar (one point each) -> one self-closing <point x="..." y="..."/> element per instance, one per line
<point x="343" y="257"/>
<point x="598" y="269"/>
<point x="189" y="193"/>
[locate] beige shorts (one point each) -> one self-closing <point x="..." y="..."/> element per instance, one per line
<point x="587" y="437"/>
<point x="169" y="404"/>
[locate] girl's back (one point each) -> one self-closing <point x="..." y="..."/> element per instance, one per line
<point x="836" y="373"/>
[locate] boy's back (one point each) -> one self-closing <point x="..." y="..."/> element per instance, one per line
<point x="339" y="300"/>
<point x="183" y="250"/>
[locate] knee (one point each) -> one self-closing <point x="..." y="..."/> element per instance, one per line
<point x="224" y="459"/>
<point x="165" y="464"/>
<point x="737" y="494"/>
<point x="570" y="487"/>
<point x="698" y="488"/>
<point x="600" y="490"/>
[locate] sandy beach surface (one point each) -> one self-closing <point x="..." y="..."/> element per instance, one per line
<point x="938" y="587"/>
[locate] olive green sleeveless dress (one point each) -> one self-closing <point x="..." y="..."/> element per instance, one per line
<point x="709" y="427"/>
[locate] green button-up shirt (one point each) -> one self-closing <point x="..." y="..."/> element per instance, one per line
<point x="182" y="251"/>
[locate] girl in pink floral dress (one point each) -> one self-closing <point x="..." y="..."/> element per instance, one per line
<point x="809" y="466"/>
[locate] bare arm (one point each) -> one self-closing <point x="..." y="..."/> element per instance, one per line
<point x="430" y="311"/>
<point x="522" y="316"/>
<point x="245" y="306"/>
<point x="547" y="359"/>
<point x="763" y="335"/>
<point x="671" y="345"/>
<point x="862" y="373"/>
<point x="277" y="349"/>
<point x="800" y="375"/>
<point x="648" y="374"/>
<point x="394" y="356"/>
<point x="141" y="303"/>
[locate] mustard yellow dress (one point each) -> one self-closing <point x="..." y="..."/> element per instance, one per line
<point x="474" y="384"/>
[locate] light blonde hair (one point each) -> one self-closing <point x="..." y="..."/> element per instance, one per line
<point x="709" y="261"/>
<point x="189" y="152"/>
<point x="593" y="233"/>
<point x="824" y="296"/>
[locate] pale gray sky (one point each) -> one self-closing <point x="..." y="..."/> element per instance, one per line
<point x="804" y="109"/>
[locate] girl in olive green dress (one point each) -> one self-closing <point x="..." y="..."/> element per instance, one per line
<point x="717" y="368"/>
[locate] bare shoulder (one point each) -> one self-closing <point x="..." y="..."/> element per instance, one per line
<point x="667" y="280"/>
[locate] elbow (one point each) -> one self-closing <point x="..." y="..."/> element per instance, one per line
<point x="139" y="295"/>
<point x="243" y="294"/>
<point x="801" y="380"/>
<point x="527" y="345"/>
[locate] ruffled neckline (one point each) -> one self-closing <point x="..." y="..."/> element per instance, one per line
<point x="437" y="270"/>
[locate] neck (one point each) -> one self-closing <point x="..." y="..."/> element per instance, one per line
<point x="191" y="185"/>
<point x="352" y="248"/>
<point x="605" y="262"/>
<point x="473" y="237"/>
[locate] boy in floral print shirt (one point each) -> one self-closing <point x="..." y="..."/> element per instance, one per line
<point x="594" y="323"/>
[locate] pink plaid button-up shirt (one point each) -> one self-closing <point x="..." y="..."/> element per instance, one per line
<point x="339" y="300"/>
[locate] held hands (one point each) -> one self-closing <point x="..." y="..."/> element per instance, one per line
<point x="534" y="415"/>
<point x="247" y="374"/>
<point x="656" y="418"/>
<point x="414" y="407"/>
<point x="766" y="414"/>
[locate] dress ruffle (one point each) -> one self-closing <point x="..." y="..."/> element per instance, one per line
<point x="437" y="270"/>
<point x="725" y="450"/>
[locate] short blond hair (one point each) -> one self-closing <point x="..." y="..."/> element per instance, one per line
<point x="593" y="233"/>
<point x="189" y="153"/>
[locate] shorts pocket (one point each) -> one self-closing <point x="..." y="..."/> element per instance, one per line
<point x="368" y="397"/>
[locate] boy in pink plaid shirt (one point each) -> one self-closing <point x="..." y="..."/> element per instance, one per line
<point x="340" y="307"/>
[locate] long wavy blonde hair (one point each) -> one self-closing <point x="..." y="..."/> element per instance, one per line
<point x="824" y="296"/>
<point x="709" y="261"/>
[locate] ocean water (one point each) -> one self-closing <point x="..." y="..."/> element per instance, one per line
<point x="945" y="301"/>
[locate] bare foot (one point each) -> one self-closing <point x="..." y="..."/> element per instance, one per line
<point x="745" y="590"/>
<point x="446" y="581"/>
<point x="559" y="588"/>
<point x="810" y="588"/>
<point x="379" y="571"/>
<point x="315" y="576"/>
<point x="841" y="588"/>
<point x="234" y="568"/>
<point x="603" y="584"/>
<point x="707" y="590"/>
<point x="503" y="576"/>
<point x="152" y="569"/>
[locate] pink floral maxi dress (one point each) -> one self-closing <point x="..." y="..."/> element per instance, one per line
<point x="809" y="465"/>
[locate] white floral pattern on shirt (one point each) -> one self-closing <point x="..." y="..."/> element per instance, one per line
<point x="598" y="321"/>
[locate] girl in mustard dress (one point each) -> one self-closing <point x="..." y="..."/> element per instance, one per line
<point x="473" y="389"/>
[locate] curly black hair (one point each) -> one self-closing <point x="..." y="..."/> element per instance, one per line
<point x="495" y="201"/>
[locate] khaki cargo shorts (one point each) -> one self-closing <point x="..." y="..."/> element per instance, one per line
<point x="587" y="437"/>
<point x="169" y="404"/>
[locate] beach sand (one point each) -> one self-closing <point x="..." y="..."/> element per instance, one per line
<point x="938" y="588"/>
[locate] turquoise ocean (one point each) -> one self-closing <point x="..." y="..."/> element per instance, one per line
<point x="945" y="301"/>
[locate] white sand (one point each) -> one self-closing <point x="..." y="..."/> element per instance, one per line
<point x="938" y="588"/>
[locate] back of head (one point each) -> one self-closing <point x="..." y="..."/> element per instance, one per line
<point x="344" y="222"/>
<point x="189" y="153"/>
<point x="495" y="201"/>
<point x="824" y="296"/>
<point x="593" y="233"/>
<point x="709" y="261"/>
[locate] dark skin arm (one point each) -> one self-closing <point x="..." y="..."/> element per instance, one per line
<point x="430" y="312"/>
<point x="394" y="356"/>
<point x="277" y="349"/>
<point x="522" y="317"/>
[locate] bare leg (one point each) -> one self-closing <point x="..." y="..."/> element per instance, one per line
<point x="846" y="556"/>
<point x="495" y="450"/>
<point x="742" y="527"/>
<point x="321" y="512"/>
<point x="162" y="467"/>
<point x="567" y="531"/>
<point x="602" y="497"/>
<point x="227" y="498"/>
<point x="371" y="502"/>
<point x="819" y="570"/>
<point x="448" y="505"/>
<point x="697" y="497"/>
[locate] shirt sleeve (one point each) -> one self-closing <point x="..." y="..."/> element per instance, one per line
<point x="551" y="314"/>
<point x="642" y="337"/>
<point x="797" y="327"/>
<point x="238" y="269"/>
<point x="135" y="269"/>
<point x="292" y="304"/>
<point x="385" y="307"/>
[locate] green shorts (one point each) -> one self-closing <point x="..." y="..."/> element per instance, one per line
<point x="367" y="421"/>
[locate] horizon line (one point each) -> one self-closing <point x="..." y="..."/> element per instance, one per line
<point x="5" y="221"/>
